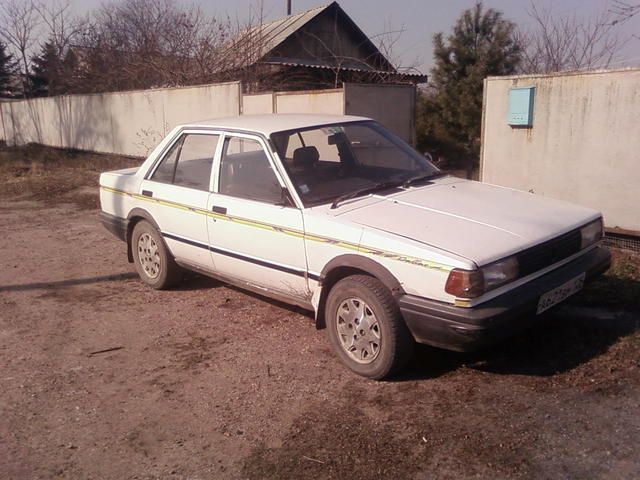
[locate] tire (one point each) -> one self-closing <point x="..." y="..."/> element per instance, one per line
<point x="383" y="345"/>
<point x="154" y="263"/>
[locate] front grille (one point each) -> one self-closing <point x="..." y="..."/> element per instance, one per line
<point x="550" y="252"/>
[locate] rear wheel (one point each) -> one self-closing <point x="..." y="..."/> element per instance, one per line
<point x="154" y="264"/>
<point x="365" y="327"/>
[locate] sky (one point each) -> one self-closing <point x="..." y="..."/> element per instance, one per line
<point x="419" y="20"/>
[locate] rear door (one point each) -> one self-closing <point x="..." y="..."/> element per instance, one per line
<point x="254" y="235"/>
<point x="177" y="191"/>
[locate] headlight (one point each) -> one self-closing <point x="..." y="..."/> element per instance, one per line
<point x="501" y="272"/>
<point x="591" y="233"/>
<point x="474" y="283"/>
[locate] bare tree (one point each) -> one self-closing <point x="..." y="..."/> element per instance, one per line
<point x="568" y="43"/>
<point x="623" y="10"/>
<point x="387" y="42"/>
<point x="205" y="42"/>
<point x="62" y="25"/>
<point x="19" y="22"/>
<point x="139" y="44"/>
<point x="149" y="43"/>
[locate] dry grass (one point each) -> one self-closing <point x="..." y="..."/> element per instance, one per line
<point x="36" y="172"/>
<point x="619" y="288"/>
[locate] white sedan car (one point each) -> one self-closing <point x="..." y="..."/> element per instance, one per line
<point x="338" y="215"/>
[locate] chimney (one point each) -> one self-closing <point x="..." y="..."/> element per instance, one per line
<point x="288" y="7"/>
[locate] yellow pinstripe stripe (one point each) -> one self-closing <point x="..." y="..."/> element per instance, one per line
<point x="287" y="231"/>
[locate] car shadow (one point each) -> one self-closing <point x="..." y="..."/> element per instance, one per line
<point x="562" y="340"/>
<point x="67" y="283"/>
<point x="196" y="281"/>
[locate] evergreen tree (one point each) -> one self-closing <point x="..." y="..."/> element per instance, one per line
<point x="69" y="73"/>
<point x="7" y="71"/>
<point x="482" y="44"/>
<point x="46" y="71"/>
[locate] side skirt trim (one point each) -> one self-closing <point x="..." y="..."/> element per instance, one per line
<point x="280" y="296"/>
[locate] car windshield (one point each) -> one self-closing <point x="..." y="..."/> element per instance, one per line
<point x="340" y="160"/>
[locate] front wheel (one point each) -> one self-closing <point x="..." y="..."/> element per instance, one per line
<point x="154" y="264"/>
<point x="365" y="327"/>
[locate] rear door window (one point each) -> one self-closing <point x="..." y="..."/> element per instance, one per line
<point x="189" y="161"/>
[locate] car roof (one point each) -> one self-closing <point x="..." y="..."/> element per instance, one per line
<point x="275" y="122"/>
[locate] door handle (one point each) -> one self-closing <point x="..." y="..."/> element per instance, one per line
<point x="147" y="193"/>
<point x="221" y="210"/>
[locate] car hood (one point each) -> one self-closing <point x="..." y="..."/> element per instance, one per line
<point x="477" y="221"/>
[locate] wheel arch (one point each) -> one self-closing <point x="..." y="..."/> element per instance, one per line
<point x="136" y="215"/>
<point x="351" y="264"/>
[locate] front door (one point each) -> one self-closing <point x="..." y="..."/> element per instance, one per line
<point x="254" y="236"/>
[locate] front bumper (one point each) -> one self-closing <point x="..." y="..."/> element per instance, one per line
<point x="467" y="329"/>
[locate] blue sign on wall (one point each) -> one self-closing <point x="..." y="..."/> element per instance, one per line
<point x="521" y="106"/>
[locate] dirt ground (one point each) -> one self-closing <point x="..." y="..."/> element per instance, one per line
<point x="104" y="378"/>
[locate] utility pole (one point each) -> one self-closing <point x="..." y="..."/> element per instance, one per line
<point x="288" y="7"/>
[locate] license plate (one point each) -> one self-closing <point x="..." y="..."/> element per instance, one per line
<point x="555" y="296"/>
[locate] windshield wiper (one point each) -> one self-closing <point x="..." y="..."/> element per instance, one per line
<point x="362" y="191"/>
<point x="384" y="185"/>
<point x="422" y="176"/>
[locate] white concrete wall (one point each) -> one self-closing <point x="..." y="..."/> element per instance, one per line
<point x="129" y="123"/>
<point x="258" y="104"/>
<point x="132" y="123"/>
<point x="584" y="145"/>
<point x="391" y="105"/>
<point x="316" y="101"/>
